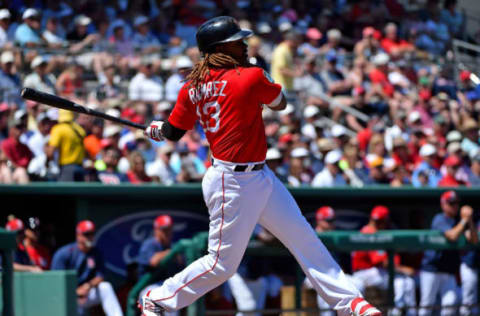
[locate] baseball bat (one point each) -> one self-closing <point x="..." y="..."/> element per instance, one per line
<point x="62" y="103"/>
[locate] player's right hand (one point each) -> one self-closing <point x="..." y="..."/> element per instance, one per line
<point x="154" y="131"/>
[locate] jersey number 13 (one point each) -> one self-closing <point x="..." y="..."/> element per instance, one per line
<point x="209" y="116"/>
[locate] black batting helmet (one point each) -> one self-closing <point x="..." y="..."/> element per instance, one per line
<point x="218" y="30"/>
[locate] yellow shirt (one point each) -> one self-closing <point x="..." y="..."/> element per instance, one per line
<point x="68" y="139"/>
<point x="282" y="57"/>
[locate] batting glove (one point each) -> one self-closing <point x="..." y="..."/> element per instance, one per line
<point x="154" y="130"/>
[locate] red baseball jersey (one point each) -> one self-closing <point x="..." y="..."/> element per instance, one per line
<point x="228" y="105"/>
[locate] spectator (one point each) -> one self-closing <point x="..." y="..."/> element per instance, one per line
<point x="439" y="267"/>
<point x="334" y="79"/>
<point x="21" y="260"/>
<point x="429" y="167"/>
<point x="66" y="138"/>
<point x="92" y="142"/>
<point x="52" y="34"/>
<point x="28" y="33"/>
<point x="70" y="82"/>
<point x="5" y="38"/>
<point x="452" y="18"/>
<point x="108" y="92"/>
<point x="393" y="45"/>
<point x="370" y="266"/>
<point x="469" y="269"/>
<point x="452" y="163"/>
<point x="39" y="138"/>
<point x="283" y="71"/>
<point x="368" y="46"/>
<point x="137" y="174"/>
<point x="376" y="174"/>
<point x="143" y="40"/>
<point x="110" y="175"/>
<point x="311" y="86"/>
<point x="10" y="82"/>
<point x="145" y="86"/>
<point x="470" y="136"/>
<point x="254" y="53"/>
<point x="161" y="168"/>
<point x="18" y="153"/>
<point x="39" y="254"/>
<point x="474" y="176"/>
<point x="40" y="79"/>
<point x="183" y="66"/>
<point x="331" y="175"/>
<point x="299" y="172"/>
<point x="274" y="160"/>
<point x="187" y="165"/>
<point x="83" y="257"/>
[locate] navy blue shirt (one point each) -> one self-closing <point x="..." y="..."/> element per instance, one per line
<point x="472" y="257"/>
<point x="88" y="265"/>
<point x="446" y="261"/>
<point x="149" y="247"/>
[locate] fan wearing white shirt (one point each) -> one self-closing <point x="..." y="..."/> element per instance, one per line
<point x="145" y="86"/>
<point x="183" y="66"/>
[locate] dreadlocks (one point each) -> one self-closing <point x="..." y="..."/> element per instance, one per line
<point x="211" y="60"/>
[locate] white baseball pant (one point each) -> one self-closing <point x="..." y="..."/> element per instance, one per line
<point x="236" y="202"/>
<point x="249" y="294"/>
<point x="469" y="279"/>
<point x="433" y="284"/>
<point x="103" y="294"/>
<point x="404" y="287"/>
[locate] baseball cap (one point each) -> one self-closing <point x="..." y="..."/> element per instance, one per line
<point x="289" y="109"/>
<point x="469" y="124"/>
<point x="310" y="111"/>
<point x="7" y="57"/>
<point x="85" y="227"/>
<point x="452" y="161"/>
<point x="465" y="75"/>
<point x="454" y="136"/>
<point x="4" y="14"/>
<point x="325" y="144"/>
<point x="111" y="130"/>
<point x="164" y="106"/>
<point x="427" y="150"/>
<point x="113" y="112"/>
<point x="139" y="20"/>
<point x="4" y="107"/>
<point x="380" y="59"/>
<point x="313" y="33"/>
<point x="374" y="160"/>
<point x="334" y="34"/>
<point x="273" y="154"/>
<point x="183" y="62"/>
<point x="368" y="31"/>
<point x="338" y="130"/>
<point x="82" y="20"/>
<point x="14" y="225"/>
<point x="162" y="221"/>
<point x="449" y="196"/>
<point x="358" y="90"/>
<point x="37" y="61"/>
<point x="29" y="13"/>
<point x="285" y="26"/>
<point x="263" y="28"/>
<point x="299" y="152"/>
<point x="33" y="223"/>
<point x="325" y="213"/>
<point x="425" y="94"/>
<point x="19" y="116"/>
<point x="379" y="212"/>
<point x="333" y="157"/>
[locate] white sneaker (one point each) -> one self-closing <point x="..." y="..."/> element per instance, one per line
<point x="148" y="307"/>
<point x="360" y="307"/>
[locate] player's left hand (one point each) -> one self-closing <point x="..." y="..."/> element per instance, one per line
<point x="154" y="131"/>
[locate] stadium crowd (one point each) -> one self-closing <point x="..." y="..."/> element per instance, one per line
<point x="374" y="96"/>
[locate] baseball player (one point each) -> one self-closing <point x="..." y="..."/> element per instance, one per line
<point x="439" y="268"/>
<point x="370" y="267"/>
<point x="226" y="94"/>
<point x="83" y="257"/>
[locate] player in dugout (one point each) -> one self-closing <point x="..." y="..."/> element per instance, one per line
<point x="83" y="257"/>
<point x="227" y="95"/>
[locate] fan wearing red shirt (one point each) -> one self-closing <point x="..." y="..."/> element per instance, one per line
<point x="227" y="95"/>
<point x="452" y="163"/>
<point x="392" y="44"/>
<point x="369" y="267"/>
<point x="18" y="153"/>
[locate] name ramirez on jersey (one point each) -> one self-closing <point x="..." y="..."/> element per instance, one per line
<point x="229" y="106"/>
<point x="209" y="89"/>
